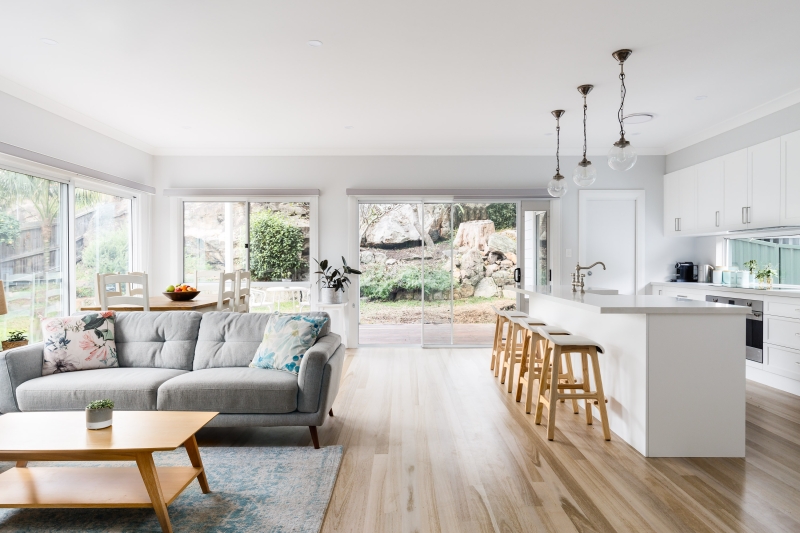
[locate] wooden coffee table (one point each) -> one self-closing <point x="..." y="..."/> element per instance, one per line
<point x="134" y="436"/>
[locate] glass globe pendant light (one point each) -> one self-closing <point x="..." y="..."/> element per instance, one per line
<point x="557" y="187"/>
<point x="584" y="174"/>
<point x="621" y="156"/>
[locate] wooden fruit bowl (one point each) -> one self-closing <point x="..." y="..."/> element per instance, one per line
<point x="181" y="296"/>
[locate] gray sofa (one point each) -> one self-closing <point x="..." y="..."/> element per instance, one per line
<point x="186" y="361"/>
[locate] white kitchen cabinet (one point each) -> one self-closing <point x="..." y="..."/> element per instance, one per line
<point x="672" y="199"/>
<point x="687" y="180"/>
<point x="736" y="191"/>
<point x="764" y="165"/>
<point x="680" y="202"/>
<point x="710" y="195"/>
<point x="790" y="179"/>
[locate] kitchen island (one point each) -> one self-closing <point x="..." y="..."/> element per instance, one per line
<point x="673" y="370"/>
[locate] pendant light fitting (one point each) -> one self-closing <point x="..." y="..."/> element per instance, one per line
<point x="584" y="174"/>
<point x="621" y="156"/>
<point x="556" y="186"/>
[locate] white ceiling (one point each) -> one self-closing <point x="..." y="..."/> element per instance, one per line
<point x="410" y="77"/>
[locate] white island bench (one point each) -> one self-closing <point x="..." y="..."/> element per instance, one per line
<point x="673" y="369"/>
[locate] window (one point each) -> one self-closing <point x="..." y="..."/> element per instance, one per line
<point x="102" y="240"/>
<point x="783" y="253"/>
<point x="32" y="257"/>
<point x="56" y="233"/>
<point x="271" y="239"/>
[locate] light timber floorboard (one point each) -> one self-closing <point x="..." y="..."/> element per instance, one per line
<point x="433" y="443"/>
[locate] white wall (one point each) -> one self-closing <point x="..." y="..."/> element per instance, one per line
<point x="332" y="175"/>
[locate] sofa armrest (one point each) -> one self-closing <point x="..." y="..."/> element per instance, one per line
<point x="312" y="367"/>
<point x="16" y="367"/>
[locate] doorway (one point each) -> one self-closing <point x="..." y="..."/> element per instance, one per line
<point x="434" y="270"/>
<point x="611" y="230"/>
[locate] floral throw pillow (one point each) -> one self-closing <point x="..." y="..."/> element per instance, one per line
<point x="79" y="343"/>
<point x="286" y="340"/>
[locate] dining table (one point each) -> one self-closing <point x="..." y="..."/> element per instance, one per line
<point x="200" y="303"/>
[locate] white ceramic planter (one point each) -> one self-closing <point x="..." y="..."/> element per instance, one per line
<point x="331" y="296"/>
<point x="99" y="418"/>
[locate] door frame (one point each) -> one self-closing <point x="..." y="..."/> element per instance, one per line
<point x="554" y="240"/>
<point x="638" y="196"/>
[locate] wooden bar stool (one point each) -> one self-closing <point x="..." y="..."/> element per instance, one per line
<point x="569" y="344"/>
<point x="513" y="351"/>
<point x="502" y="319"/>
<point x="532" y="360"/>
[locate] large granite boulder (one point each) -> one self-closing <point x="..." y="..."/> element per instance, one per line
<point x="474" y="234"/>
<point x="501" y="243"/>
<point x="486" y="288"/>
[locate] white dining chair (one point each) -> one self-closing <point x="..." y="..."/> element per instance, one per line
<point x="226" y="293"/>
<point x="108" y="298"/>
<point x="242" y="292"/>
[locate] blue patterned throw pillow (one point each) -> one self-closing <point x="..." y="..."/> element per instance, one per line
<point x="286" y="340"/>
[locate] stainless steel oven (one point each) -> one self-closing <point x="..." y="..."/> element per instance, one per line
<point x="755" y="324"/>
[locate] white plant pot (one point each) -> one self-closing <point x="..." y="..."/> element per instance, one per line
<point x="99" y="418"/>
<point x="331" y="296"/>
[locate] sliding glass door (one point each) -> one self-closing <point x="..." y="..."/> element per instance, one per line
<point x="434" y="271"/>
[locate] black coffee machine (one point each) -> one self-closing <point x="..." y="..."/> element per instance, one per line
<point x="687" y="272"/>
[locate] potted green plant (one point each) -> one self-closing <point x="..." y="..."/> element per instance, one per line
<point x="750" y="275"/>
<point x="287" y="277"/>
<point x="15" y="339"/>
<point x="766" y="275"/>
<point x="334" y="281"/>
<point x="99" y="414"/>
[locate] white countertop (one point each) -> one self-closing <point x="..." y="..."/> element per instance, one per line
<point x="712" y="288"/>
<point x="625" y="304"/>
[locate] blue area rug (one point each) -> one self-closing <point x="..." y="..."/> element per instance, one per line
<point x="252" y="490"/>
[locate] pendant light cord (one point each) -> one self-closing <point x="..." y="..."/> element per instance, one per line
<point x="558" y="145"/>
<point x="622" y="92"/>
<point x="584" y="127"/>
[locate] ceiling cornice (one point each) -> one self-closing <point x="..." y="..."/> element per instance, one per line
<point x="309" y="152"/>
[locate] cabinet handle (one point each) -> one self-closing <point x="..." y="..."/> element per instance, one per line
<point x="680" y="223"/>
<point x="748" y="215"/>
<point x="717" y="218"/>
<point x="744" y="219"/>
<point x="676" y="224"/>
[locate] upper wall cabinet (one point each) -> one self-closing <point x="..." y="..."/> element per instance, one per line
<point x="754" y="188"/>
<point x="790" y="179"/>
<point x="736" y="191"/>
<point x="764" y="166"/>
<point x="710" y="195"/>
<point x="680" y="201"/>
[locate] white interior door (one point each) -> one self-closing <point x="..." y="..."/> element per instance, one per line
<point x="611" y="230"/>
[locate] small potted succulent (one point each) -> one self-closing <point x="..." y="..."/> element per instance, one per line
<point x="99" y="414"/>
<point x="750" y="275"/>
<point x="15" y="339"/>
<point x="287" y="277"/>
<point x="766" y="275"/>
<point x="334" y="281"/>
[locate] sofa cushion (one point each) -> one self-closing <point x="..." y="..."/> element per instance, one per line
<point x="157" y="340"/>
<point x="286" y="340"/>
<point x="230" y="390"/>
<point x="76" y="343"/>
<point x="231" y="339"/>
<point x="132" y="389"/>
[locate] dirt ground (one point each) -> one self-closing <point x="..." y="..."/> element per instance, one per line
<point x="471" y="311"/>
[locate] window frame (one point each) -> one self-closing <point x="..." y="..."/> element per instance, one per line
<point x="134" y="232"/>
<point x="177" y="223"/>
<point x="726" y="248"/>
